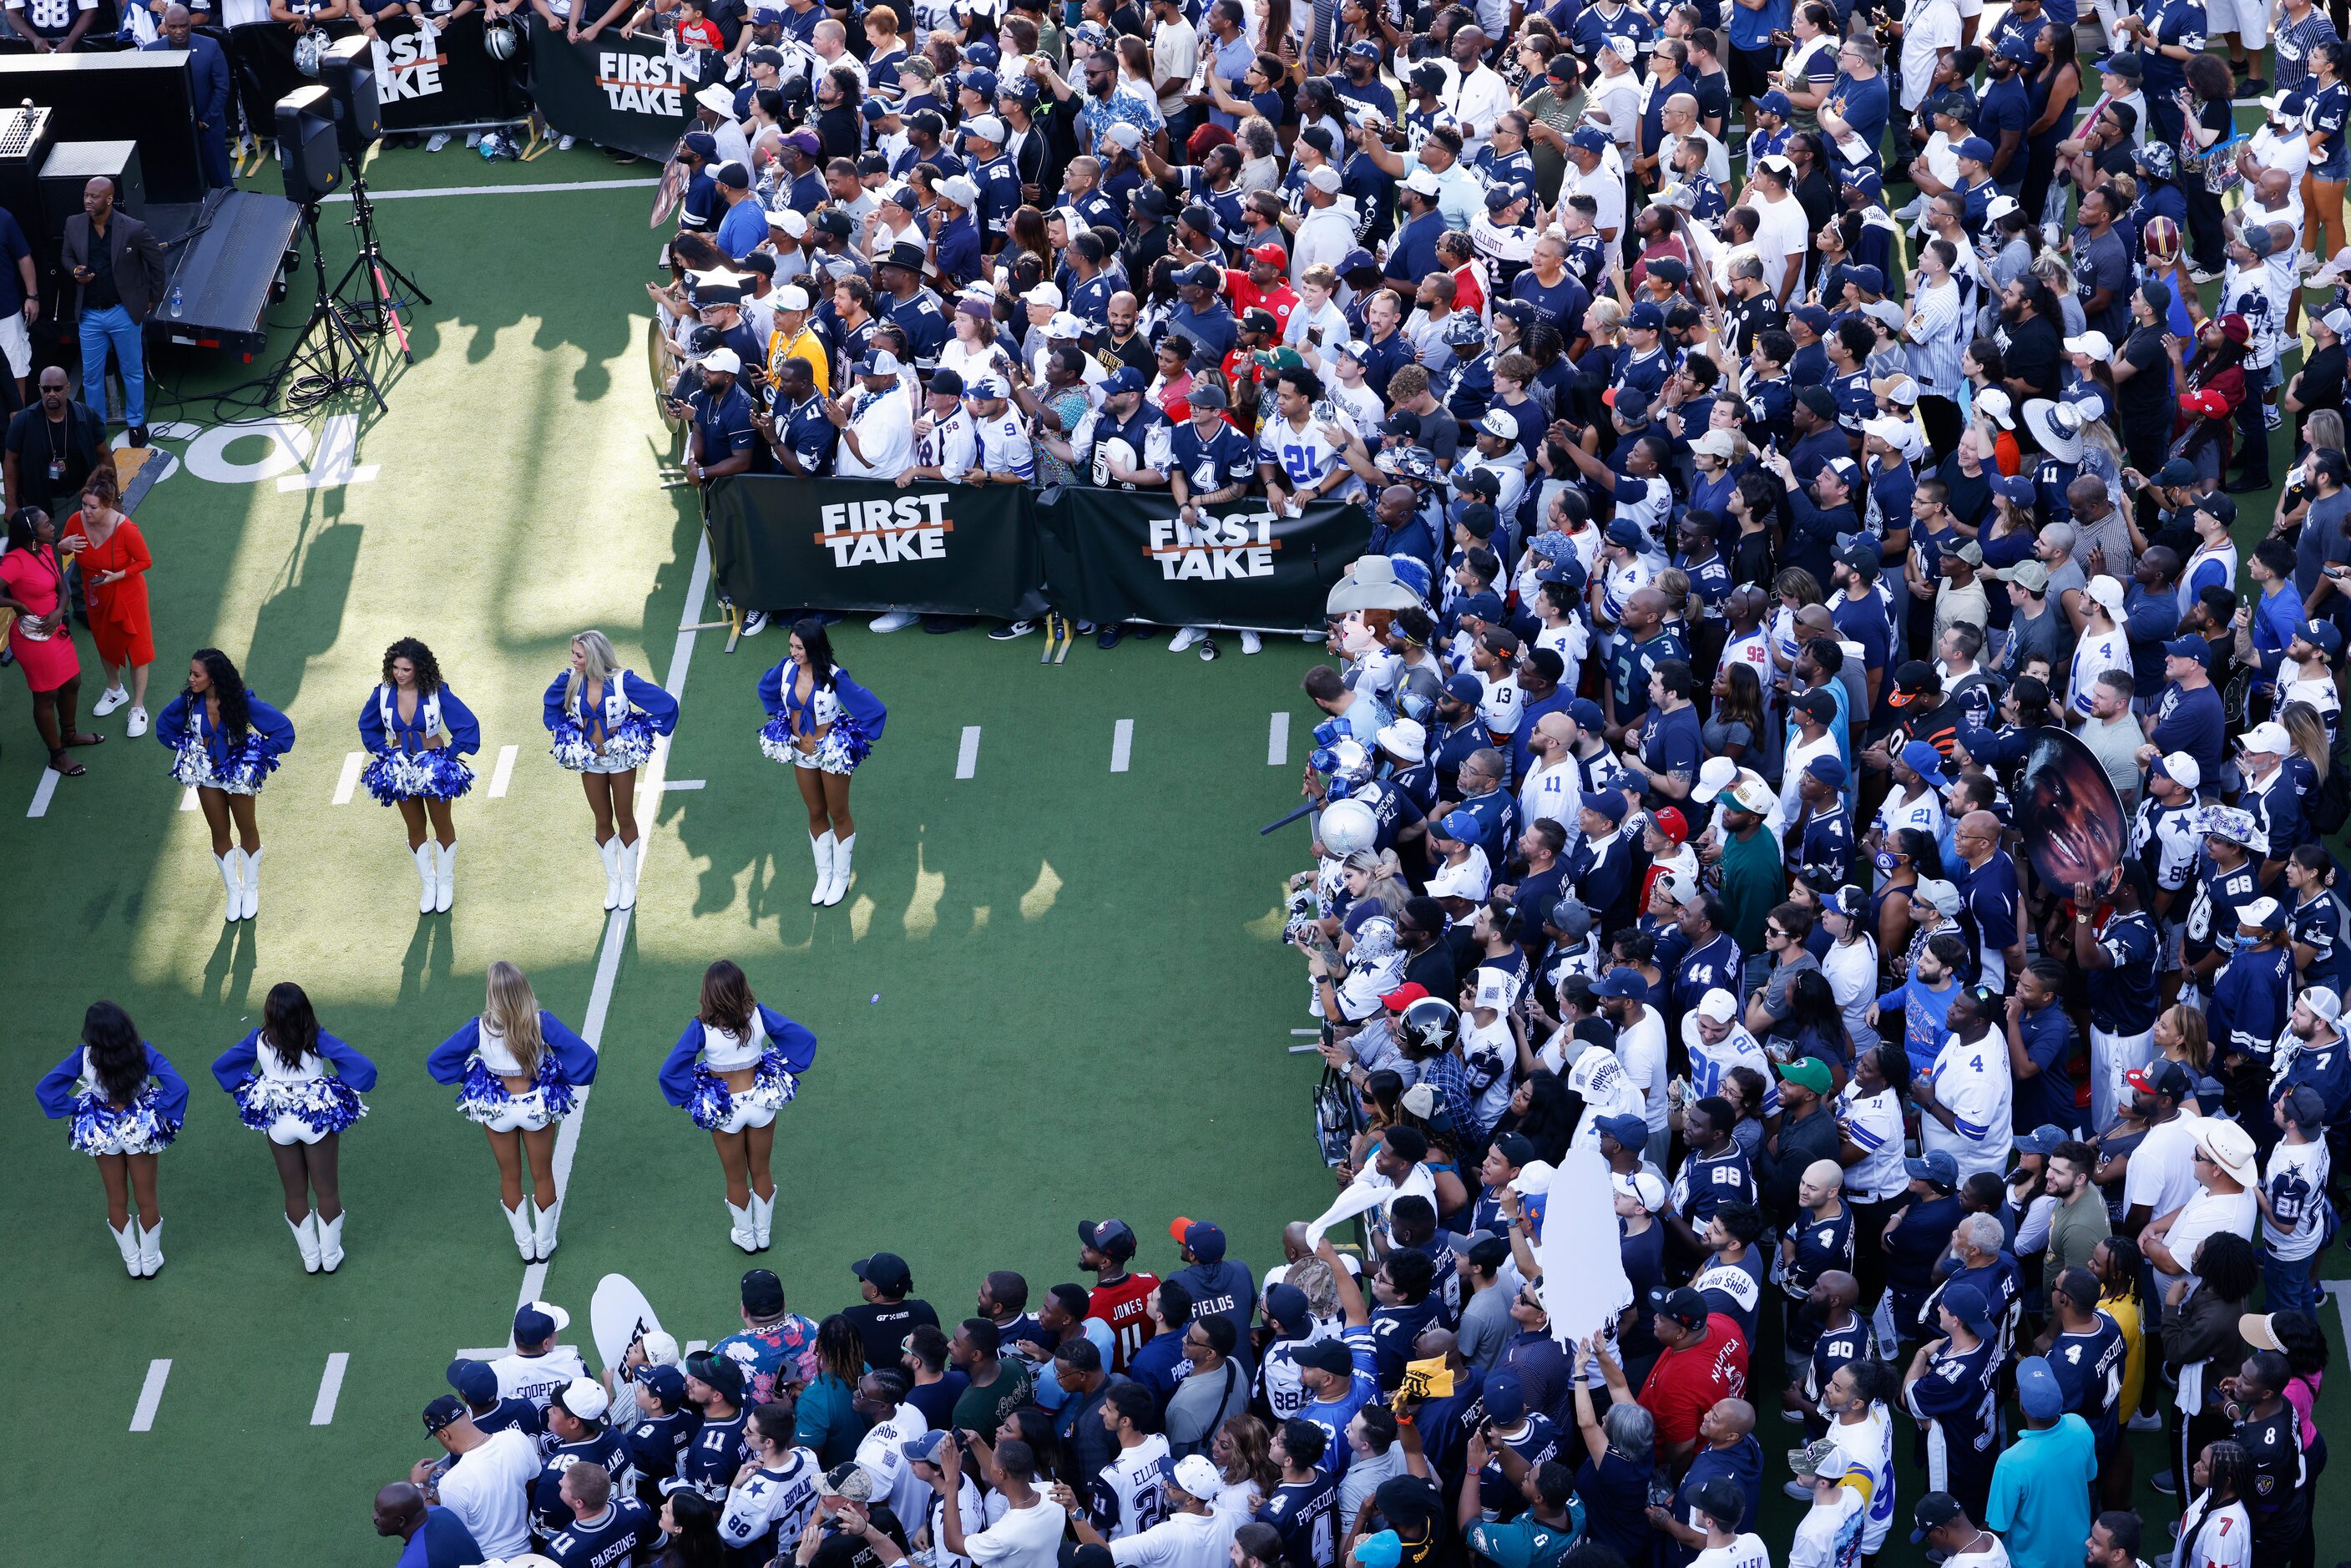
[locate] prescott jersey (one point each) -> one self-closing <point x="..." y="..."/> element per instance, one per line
<point x="1125" y="1307"/>
<point x="1302" y="1514"/>
<point x="765" y="1515"/>
<point x="626" y="1531"/>
<point x="550" y="1512"/>
<point x="717" y="1453"/>
<point x="2089" y="1368"/>
<point x="1128" y="1492"/>
<point x="1223" y="460"/>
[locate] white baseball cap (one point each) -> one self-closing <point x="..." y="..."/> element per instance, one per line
<point x="958" y="189"/>
<point x="1325" y="179"/>
<point x="2181" y="770"/>
<point x="2257" y="911"/>
<point x="1198" y="1476"/>
<point x="2269" y="737"/>
<point x="791" y="296"/>
<point x="1643" y="1187"/>
<point x="729" y="363"/>
<point x="1715" y="775"/>
<point x="1500" y="422"/>
<point x="2324" y="1002"/>
<point x="1422" y="182"/>
<point x="585" y="1398"/>
<point x="1407" y="739"/>
<point x="1045" y="294"/>
<point x="1493" y="990"/>
<point x="2108" y="592"/>
<point x="986" y="127"/>
<point x="2093" y="344"/>
<point x="1718" y="1005"/>
<point x="791" y="220"/>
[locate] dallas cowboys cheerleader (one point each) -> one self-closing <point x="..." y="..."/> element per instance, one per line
<point x="126" y="1104"/>
<point x="279" y="1077"/>
<point x="518" y="1071"/>
<point x="821" y="725"/>
<point x="737" y="1065"/>
<point x="605" y="720"/>
<point x="417" y="735"/>
<point x="225" y="742"/>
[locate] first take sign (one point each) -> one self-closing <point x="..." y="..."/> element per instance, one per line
<point x="640" y="84"/>
<point x="1214" y="549"/>
<point x="869" y="533"/>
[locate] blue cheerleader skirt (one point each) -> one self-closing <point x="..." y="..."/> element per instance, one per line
<point x="435" y="775"/>
<point x="718" y="1109"/>
<point x="297" y="1112"/>
<point x="100" y="1127"/>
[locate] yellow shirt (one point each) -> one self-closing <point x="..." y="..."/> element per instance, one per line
<point x="807" y="346"/>
<point x="2124" y="1310"/>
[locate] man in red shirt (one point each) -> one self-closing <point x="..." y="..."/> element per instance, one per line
<point x="1703" y="1360"/>
<point x="1120" y="1299"/>
<point x="1267" y="284"/>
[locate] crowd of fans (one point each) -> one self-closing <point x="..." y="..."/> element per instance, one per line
<point x="1784" y="426"/>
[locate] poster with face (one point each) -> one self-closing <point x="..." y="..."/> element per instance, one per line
<point x="2068" y="813"/>
<point x="1584" y="1280"/>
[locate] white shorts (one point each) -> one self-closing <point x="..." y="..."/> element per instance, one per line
<point x="748" y="1113"/>
<point x="16" y="343"/>
<point x="605" y="765"/>
<point x="288" y="1129"/>
<point x="2249" y="19"/>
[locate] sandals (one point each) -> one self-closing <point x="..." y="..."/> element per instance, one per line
<point x="65" y="766"/>
<point x="87" y="737"/>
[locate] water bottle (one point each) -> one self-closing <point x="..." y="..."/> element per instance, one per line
<point x="178" y="302"/>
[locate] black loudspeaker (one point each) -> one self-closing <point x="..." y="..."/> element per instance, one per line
<point x="347" y="67"/>
<point x="307" y="153"/>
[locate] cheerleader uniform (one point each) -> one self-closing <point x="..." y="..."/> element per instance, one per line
<point x="298" y="1105"/>
<point x="477" y="1059"/>
<point x="403" y="768"/>
<point x="203" y="759"/>
<point x="616" y="737"/>
<point x="776" y="1050"/>
<point x="846" y="720"/>
<point x="98" y="1126"/>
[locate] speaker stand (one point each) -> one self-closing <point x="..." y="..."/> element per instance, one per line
<point x="380" y="310"/>
<point x="336" y="362"/>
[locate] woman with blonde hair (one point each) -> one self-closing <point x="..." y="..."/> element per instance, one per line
<point x="737" y="1065"/>
<point x="2180" y="1037"/>
<point x="605" y="720"/>
<point x="518" y="1071"/>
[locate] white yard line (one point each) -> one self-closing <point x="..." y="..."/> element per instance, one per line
<point x="150" y="1397"/>
<point x="354" y="761"/>
<point x="1122" y="744"/>
<point x="669" y="784"/>
<point x="505" y="774"/>
<point x="1277" y="741"/>
<point x="42" y="791"/>
<point x="188" y="799"/>
<point x="968" y="754"/>
<point x="331" y="1388"/>
<point x="616" y="925"/>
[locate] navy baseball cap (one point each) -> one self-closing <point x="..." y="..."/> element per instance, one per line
<point x="2190" y="647"/>
<point x="1936" y="1166"/>
<point x="1976" y="150"/>
<point x="1867" y="181"/>
<point x="1206" y="1241"/>
<point x="1815" y="318"/>
<point x="1364" y="49"/>
<point x="2018" y="47"/>
<point x="667" y="1382"/>
<point x="884" y="1272"/>
<point x="474" y="1381"/>
<point x="1621" y="983"/>
<point x="1628" y="1131"/>
<point x="1591" y="138"/>
<point x="1775" y="102"/>
<point x="1645" y="317"/>
<point x="1506" y="1397"/>
<point x="1868" y="279"/>
<point x="533" y="1323"/>
<point x="1586" y="714"/>
<point x="1358" y="260"/>
<point x="1286" y="1306"/>
<point x="1112" y="1237"/>
<point x="1125" y="379"/>
<point x="1829" y="770"/>
<point x="1464" y="688"/>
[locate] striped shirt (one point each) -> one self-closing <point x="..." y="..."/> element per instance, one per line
<point x="1939" y="333"/>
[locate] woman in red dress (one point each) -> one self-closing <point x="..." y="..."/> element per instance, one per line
<point x="112" y="555"/>
<point x="32" y="583"/>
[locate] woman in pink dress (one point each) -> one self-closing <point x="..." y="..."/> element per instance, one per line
<point x="32" y="583"/>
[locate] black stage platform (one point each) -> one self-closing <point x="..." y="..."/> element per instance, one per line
<point x="225" y="257"/>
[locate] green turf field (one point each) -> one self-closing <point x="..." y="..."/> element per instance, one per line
<point x="1055" y="990"/>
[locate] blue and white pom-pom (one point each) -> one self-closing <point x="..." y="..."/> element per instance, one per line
<point x="191" y="763"/>
<point x="438" y="775"/>
<point x="845" y="745"/>
<point x="571" y="748"/>
<point x="630" y="743"/>
<point x="773" y="1085"/>
<point x="775" y="739"/>
<point x="324" y="1104"/>
<point x="712" y="1102"/>
<point x="249" y="768"/>
<point x="100" y="1127"/>
<point x="482" y="1094"/>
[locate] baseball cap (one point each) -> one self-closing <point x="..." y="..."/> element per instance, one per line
<point x="2178" y="765"/>
<point x="1975" y="149"/>
<point x="1465" y="687"/>
<point x="1330" y="1355"/>
<point x="1775" y="102"/>
<point x="1645" y="317"/>
<point x="2223" y="506"/>
<point x="2261" y="914"/>
<point x="2160" y="1078"/>
<point x="1207" y="395"/>
<point x="2269" y="737"/>
<point x="1506" y="1397"/>
<point x="1404" y="996"/>
<point x="1682" y="1305"/>
<point x="887" y="1273"/>
<point x="1611" y="804"/>
<point x="538" y="1321"/>
<point x="1288" y="1306"/>
<point x="1967" y="1304"/>
<point x="1643" y="1187"/>
<point x="848" y="1481"/>
<point x="763" y="1293"/>
<point x="474" y="1381"/>
<point x="1721" y="1500"/>
<point x="1937" y="1167"/>
<point x="725" y="361"/>
<point x="667" y="1382"/>
<point x="1205" y="1239"/>
<point x="924" y="1447"/>
<point x="1914" y="679"/>
<point x="1382" y="1549"/>
<point x="1936" y="1509"/>
<point x="584" y="1398"/>
<point x="1628" y="1131"/>
<point x="2188" y="647"/>
<point x="444" y="1411"/>
<point x="1111" y="1237"/>
<point x="2031" y="575"/>
<point x="723" y="1372"/>
<point x="1196" y="1476"/>
<point x="1810" y="1072"/>
<point x="1125" y="379"/>
<point x="1934" y="892"/>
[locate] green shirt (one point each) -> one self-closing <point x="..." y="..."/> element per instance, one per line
<point x="1526" y="1542"/>
<point x="1753" y="881"/>
<point x="982" y="1407"/>
<point x="2074" y="1231"/>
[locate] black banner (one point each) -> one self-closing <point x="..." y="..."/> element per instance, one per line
<point x="621" y="93"/>
<point x="449" y="84"/>
<point x="778" y="543"/>
<point x="1114" y="556"/>
<point x="1098" y="555"/>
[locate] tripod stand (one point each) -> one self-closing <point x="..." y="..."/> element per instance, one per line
<point x="336" y="362"/>
<point x="381" y="309"/>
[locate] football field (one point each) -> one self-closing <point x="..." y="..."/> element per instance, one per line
<point x="1056" y="990"/>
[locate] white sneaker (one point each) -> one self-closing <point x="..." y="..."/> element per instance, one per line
<point x="754" y="623"/>
<point x="2149" y="1423"/>
<point x="437" y="141"/>
<point x="2305" y="261"/>
<point x="1251" y="643"/>
<point x="1184" y="641"/>
<point x="473" y="140"/>
<point x="893" y="620"/>
<point x="1010" y="630"/>
<point x="2197" y="275"/>
<point x="138" y="722"/>
<point x="108" y="701"/>
<point x="564" y="144"/>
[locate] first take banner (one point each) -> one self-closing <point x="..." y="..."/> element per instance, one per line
<point x="780" y="544"/>
<point x="627" y="94"/>
<point x="440" y="80"/>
